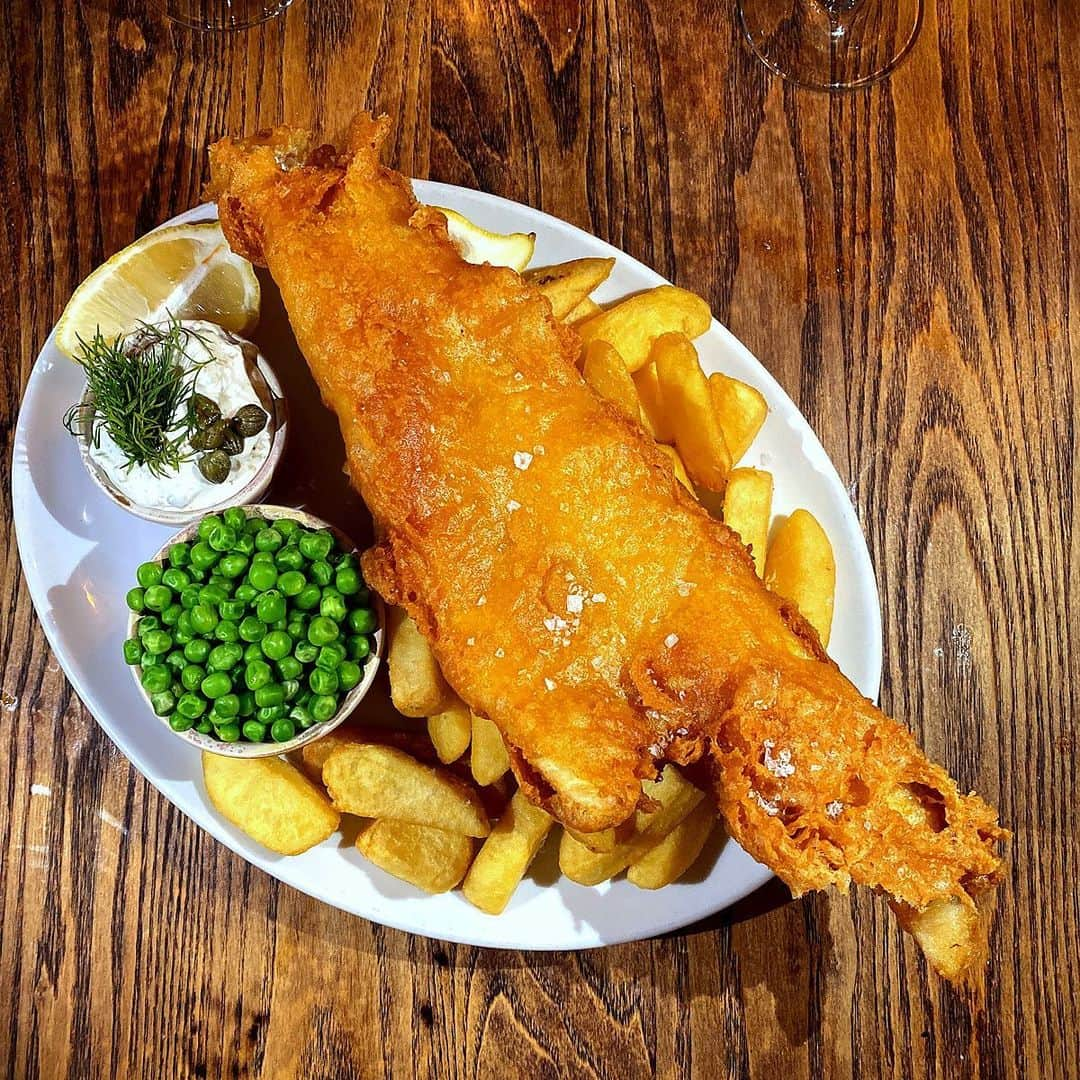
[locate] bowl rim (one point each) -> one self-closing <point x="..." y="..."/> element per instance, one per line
<point x="245" y="496"/>
<point x="352" y="699"/>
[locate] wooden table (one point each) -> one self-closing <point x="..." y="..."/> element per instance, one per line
<point x="905" y="260"/>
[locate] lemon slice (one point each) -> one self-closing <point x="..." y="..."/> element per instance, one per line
<point x="476" y="245"/>
<point x="187" y="271"/>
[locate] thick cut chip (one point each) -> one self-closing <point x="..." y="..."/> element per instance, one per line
<point x="741" y="410"/>
<point x="634" y="324"/>
<point x="313" y="755"/>
<point x="450" y="730"/>
<point x="652" y="407"/>
<point x="271" y="800"/>
<point x="677" y="852"/>
<point x="676" y="797"/>
<point x="748" y="510"/>
<point x="800" y="567"/>
<point x="605" y="371"/>
<point x="585" y="310"/>
<point x="567" y="284"/>
<point x="505" y="857"/>
<point x="417" y="686"/>
<point x="687" y="405"/>
<point x="381" y="782"/>
<point x="605" y="839"/>
<point x="488" y="757"/>
<point x="677" y="465"/>
<point x="431" y="859"/>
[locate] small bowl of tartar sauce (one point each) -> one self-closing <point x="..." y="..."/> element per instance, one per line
<point x="232" y="373"/>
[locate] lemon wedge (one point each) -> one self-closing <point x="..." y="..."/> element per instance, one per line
<point x="476" y="245"/>
<point x="187" y="271"/>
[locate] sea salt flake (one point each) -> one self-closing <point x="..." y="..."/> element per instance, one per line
<point x="599" y="598"/>
<point x="522" y="459"/>
<point x="481" y="601"/>
<point x="471" y="641"/>
<point x="550" y="684"/>
<point x="513" y="505"/>
<point x="575" y="604"/>
<point x="500" y="653"/>
<point x="685" y="588"/>
<point x="598" y="662"/>
<point x="779" y="764"/>
<point x="834" y="809"/>
<point x="671" y="641"/>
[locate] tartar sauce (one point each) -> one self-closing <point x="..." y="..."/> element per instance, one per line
<point x="225" y="380"/>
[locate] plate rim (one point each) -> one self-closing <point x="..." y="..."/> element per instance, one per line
<point x="755" y="874"/>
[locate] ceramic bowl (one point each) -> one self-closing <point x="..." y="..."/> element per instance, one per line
<point x="351" y="700"/>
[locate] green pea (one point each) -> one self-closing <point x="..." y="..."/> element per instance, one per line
<point x="297" y="624"/>
<point x="245" y="593"/>
<point x="227" y="630"/>
<point x="197" y="575"/>
<point x="262" y="575"/>
<point x="254" y="731"/>
<point x="136" y="599"/>
<point x="287" y="527"/>
<point x="332" y="605"/>
<point x="257" y="674"/>
<point x="245" y="545"/>
<point x="301" y="716"/>
<point x="263" y="557"/>
<point x="247" y="703"/>
<point x="176" y="661"/>
<point x="204" y="727"/>
<point x="252" y="629"/>
<point x="197" y="650"/>
<point x="192" y="676"/>
<point x="269" y="713"/>
<point x="158" y="597"/>
<point x="282" y="730"/>
<point x="177" y="580"/>
<point x="156" y="678"/>
<point x="288" y="667"/>
<point x="222" y="538"/>
<point x="322" y="631"/>
<point x="224" y="657"/>
<point x="212" y="595"/>
<point x="291" y="582"/>
<point x="316" y="545"/>
<point x="276" y="644"/>
<point x="208" y="524"/>
<point x="189" y="597"/>
<point x="180" y="554"/>
<point x="171" y="615"/>
<point x="183" y="624"/>
<point x="362" y="620"/>
<point x="349" y="674"/>
<point x="203" y="556"/>
<point x="148" y="659"/>
<point x="229" y="732"/>
<point x="323" y="706"/>
<point x="203" y="618"/>
<point x="291" y="688"/>
<point x="304" y="697"/>
<point x="321" y="572"/>
<point x="216" y="685"/>
<point x="132" y="650"/>
<point x="163" y="703"/>
<point x="146" y="624"/>
<point x="235" y="518"/>
<point x="305" y="652"/>
<point x="269" y="539"/>
<point x="253" y="651"/>
<point x="270" y="694"/>
<point x="322" y="681"/>
<point x="308" y="597"/>
<point x="157" y="641"/>
<point x="233" y="610"/>
<point x="358" y="647"/>
<point x="347" y="581"/>
<point x="233" y="565"/>
<point x="330" y="656"/>
<point x="180" y="723"/>
<point x="149" y="573"/>
<point x="191" y="705"/>
<point x="270" y="606"/>
<point x="256" y="525"/>
<point x="227" y="706"/>
<point x="289" y="558"/>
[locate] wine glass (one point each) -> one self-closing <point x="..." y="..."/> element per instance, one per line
<point x="831" y="44"/>
<point x="221" y="14"/>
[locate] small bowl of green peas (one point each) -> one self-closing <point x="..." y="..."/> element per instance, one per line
<point x="252" y="631"/>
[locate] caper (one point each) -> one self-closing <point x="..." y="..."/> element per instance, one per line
<point x="233" y="443"/>
<point x="210" y="438"/>
<point x="205" y="410"/>
<point x="249" y="420"/>
<point x="215" y="466"/>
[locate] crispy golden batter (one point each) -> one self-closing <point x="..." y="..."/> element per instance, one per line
<point x="570" y="589"/>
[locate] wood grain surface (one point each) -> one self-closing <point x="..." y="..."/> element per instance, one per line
<point x="906" y="260"/>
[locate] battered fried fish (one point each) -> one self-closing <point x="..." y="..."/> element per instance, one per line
<point x="571" y="590"/>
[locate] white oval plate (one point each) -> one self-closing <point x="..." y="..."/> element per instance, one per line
<point x="79" y="554"/>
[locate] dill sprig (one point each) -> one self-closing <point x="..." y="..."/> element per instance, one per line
<point x="139" y="390"/>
